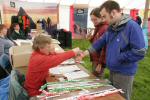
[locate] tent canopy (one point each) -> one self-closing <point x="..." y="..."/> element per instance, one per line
<point x="67" y="2"/>
<point x="126" y="4"/>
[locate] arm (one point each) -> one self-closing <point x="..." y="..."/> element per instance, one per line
<point x="99" y="44"/>
<point x="102" y="30"/>
<point x="137" y="46"/>
<point x="96" y="47"/>
<point x="102" y="58"/>
<point x="53" y="60"/>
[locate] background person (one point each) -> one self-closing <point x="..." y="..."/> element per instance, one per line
<point x="17" y="33"/>
<point x="98" y="59"/>
<point x="5" y="43"/>
<point x="138" y="19"/>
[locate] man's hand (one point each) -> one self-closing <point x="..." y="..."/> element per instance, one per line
<point x="98" y="68"/>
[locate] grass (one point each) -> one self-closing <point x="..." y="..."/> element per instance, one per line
<point x="141" y="88"/>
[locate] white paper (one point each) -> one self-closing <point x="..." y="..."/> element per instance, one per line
<point x="54" y="41"/>
<point x="19" y="42"/>
<point x="65" y="69"/>
<point x="76" y="75"/>
<point x="69" y="61"/>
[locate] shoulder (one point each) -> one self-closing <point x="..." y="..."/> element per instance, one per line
<point x="3" y="39"/>
<point x="35" y="56"/>
<point x="13" y="33"/>
<point x="103" y="28"/>
<point x="105" y="25"/>
<point x="35" y="53"/>
<point x="132" y="27"/>
<point x="132" y="24"/>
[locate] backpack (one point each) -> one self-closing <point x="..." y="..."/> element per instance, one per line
<point x="16" y="89"/>
<point x="5" y="69"/>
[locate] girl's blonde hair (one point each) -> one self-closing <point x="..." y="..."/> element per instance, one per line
<point x="40" y="41"/>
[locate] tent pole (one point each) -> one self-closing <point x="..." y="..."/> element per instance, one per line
<point x="145" y="20"/>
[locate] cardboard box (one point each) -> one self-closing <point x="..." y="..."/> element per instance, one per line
<point x="58" y="49"/>
<point x="20" y="55"/>
<point x="22" y="69"/>
<point x="20" y="42"/>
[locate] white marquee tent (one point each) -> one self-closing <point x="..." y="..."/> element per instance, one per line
<point x="64" y="14"/>
<point x="64" y="8"/>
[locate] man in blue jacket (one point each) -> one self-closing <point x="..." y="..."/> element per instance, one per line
<point x="125" y="46"/>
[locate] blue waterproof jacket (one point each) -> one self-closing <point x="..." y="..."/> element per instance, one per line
<point x="125" y="46"/>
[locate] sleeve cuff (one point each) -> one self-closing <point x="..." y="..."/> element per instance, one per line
<point x="91" y="50"/>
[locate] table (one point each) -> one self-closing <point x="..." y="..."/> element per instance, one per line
<point x="115" y="96"/>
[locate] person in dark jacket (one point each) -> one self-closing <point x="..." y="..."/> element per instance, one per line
<point x="98" y="59"/>
<point x="149" y="24"/>
<point x="125" y="46"/>
<point x="17" y="33"/>
<point x="138" y="19"/>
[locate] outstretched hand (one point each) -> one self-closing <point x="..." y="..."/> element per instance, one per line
<point x="76" y="50"/>
<point x="81" y="55"/>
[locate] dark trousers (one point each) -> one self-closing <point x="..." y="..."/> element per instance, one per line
<point x="123" y="82"/>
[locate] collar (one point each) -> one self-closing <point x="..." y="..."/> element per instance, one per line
<point x="17" y="31"/>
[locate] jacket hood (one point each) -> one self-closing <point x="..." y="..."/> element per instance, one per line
<point x="119" y="25"/>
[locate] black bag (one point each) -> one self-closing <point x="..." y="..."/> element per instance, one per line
<point x="16" y="89"/>
<point x="64" y="37"/>
<point x="5" y="66"/>
<point x="14" y="19"/>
